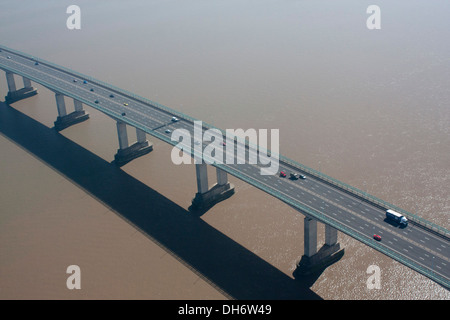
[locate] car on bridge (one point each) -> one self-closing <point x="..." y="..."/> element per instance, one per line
<point x="96" y="101"/>
<point x="294" y="176"/>
<point x="283" y="174"/>
<point x="111" y="95"/>
<point x="125" y="104"/>
<point x="175" y="119"/>
<point x="377" y="237"/>
<point x="302" y="177"/>
<point x="36" y="63"/>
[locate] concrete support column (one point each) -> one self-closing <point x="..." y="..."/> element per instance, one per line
<point x="127" y="152"/>
<point x="61" y="105"/>
<point x="222" y="177"/>
<point x="122" y="133"/>
<point x="78" y="105"/>
<point x="26" y="82"/>
<point x="16" y="95"/>
<point x="313" y="259"/>
<point x="202" y="177"/>
<point x="310" y="234"/>
<point x="141" y="136"/>
<point x="330" y="235"/>
<point x="65" y="120"/>
<point x="11" y="82"/>
<point x="207" y="197"/>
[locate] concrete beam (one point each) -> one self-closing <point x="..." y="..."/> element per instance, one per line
<point x="77" y="105"/>
<point x="26" y="82"/>
<point x="11" y="82"/>
<point x="141" y="136"/>
<point x="310" y="235"/>
<point x="122" y="134"/>
<point x="201" y="170"/>
<point x="222" y="177"/>
<point x="330" y="235"/>
<point x="61" y="105"/>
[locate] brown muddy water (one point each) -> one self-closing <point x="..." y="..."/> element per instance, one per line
<point x="368" y="107"/>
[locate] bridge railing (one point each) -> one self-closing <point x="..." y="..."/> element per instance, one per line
<point x="339" y="184"/>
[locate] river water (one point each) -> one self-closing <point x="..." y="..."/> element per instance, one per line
<point x="368" y="107"/>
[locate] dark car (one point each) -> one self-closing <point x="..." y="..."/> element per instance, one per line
<point x="293" y="176"/>
<point x="96" y="101"/>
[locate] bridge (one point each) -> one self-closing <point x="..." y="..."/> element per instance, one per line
<point x="422" y="245"/>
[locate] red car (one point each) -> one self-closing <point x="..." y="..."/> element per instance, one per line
<point x="377" y="237"/>
<point x="283" y="174"/>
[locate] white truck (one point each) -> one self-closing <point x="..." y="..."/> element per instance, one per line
<point x="397" y="217"/>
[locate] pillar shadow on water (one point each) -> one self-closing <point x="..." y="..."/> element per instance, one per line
<point x="224" y="263"/>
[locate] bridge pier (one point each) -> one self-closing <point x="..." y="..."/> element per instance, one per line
<point x="330" y="235"/>
<point x="310" y="236"/>
<point x="16" y="95"/>
<point x="206" y="197"/>
<point x="126" y="153"/>
<point x="65" y="120"/>
<point x="314" y="260"/>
